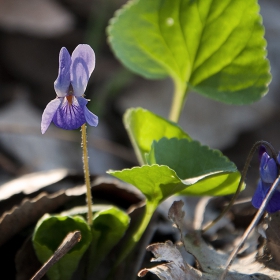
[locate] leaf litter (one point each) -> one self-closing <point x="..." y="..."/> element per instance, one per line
<point x="270" y="231"/>
<point x="28" y="212"/>
<point x="210" y="262"/>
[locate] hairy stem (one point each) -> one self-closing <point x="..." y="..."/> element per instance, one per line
<point x="86" y="173"/>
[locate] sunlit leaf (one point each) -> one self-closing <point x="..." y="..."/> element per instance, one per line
<point x="154" y="181"/>
<point x="186" y="165"/>
<point x="144" y="127"/>
<point x="50" y="232"/>
<point x="215" y="185"/>
<point x="216" y="47"/>
<point x="188" y="158"/>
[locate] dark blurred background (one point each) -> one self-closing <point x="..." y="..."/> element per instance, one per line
<point x="31" y="35"/>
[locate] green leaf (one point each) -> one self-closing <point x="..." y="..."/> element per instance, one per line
<point x="107" y="229"/>
<point x="187" y="168"/>
<point x="216" y="47"/>
<point x="144" y="127"/>
<point x="158" y="182"/>
<point x="215" y="185"/>
<point x="83" y="210"/>
<point x="188" y="158"/>
<point x="48" y="235"/>
<point x="154" y="181"/>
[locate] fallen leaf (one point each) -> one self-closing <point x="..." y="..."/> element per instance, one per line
<point x="175" y="268"/>
<point x="32" y="182"/>
<point x="28" y="212"/>
<point x="270" y="252"/>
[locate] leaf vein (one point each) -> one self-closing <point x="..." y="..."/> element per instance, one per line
<point x="167" y="46"/>
<point x="227" y="64"/>
<point x="220" y="14"/>
<point x="203" y="29"/>
<point x="219" y="47"/>
<point x="181" y="29"/>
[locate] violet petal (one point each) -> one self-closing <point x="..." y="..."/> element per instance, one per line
<point x="83" y="63"/>
<point x="69" y="115"/>
<point x="274" y="203"/>
<point x="91" y="118"/>
<point x="260" y="194"/>
<point x="62" y="83"/>
<point x="268" y="169"/>
<point x="48" y="114"/>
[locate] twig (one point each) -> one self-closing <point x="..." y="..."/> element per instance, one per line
<point x="242" y="179"/>
<point x="67" y="244"/>
<point x="251" y="226"/>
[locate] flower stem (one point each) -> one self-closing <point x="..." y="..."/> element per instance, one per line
<point x="178" y="101"/>
<point x="86" y="172"/>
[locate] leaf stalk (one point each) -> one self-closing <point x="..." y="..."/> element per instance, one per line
<point x="179" y="98"/>
<point x="137" y="233"/>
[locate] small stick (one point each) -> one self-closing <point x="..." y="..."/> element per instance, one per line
<point x="251" y="226"/>
<point x="67" y="244"/>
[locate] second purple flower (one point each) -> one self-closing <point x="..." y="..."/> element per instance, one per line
<point x="268" y="174"/>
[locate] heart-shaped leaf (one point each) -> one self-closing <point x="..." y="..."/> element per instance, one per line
<point x="215" y="47"/>
<point x="188" y="158"/>
<point x="154" y="181"/>
<point x="144" y="127"/>
<point x="50" y="232"/>
<point x="107" y="229"/>
<point x="186" y="164"/>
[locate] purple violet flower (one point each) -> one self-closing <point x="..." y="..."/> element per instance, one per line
<point x="68" y="110"/>
<point x="268" y="174"/>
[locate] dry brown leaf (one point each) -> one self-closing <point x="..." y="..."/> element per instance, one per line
<point x="32" y="182"/>
<point x="28" y="212"/>
<point x="175" y="268"/>
<point x="176" y="214"/>
<point x="270" y="252"/>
